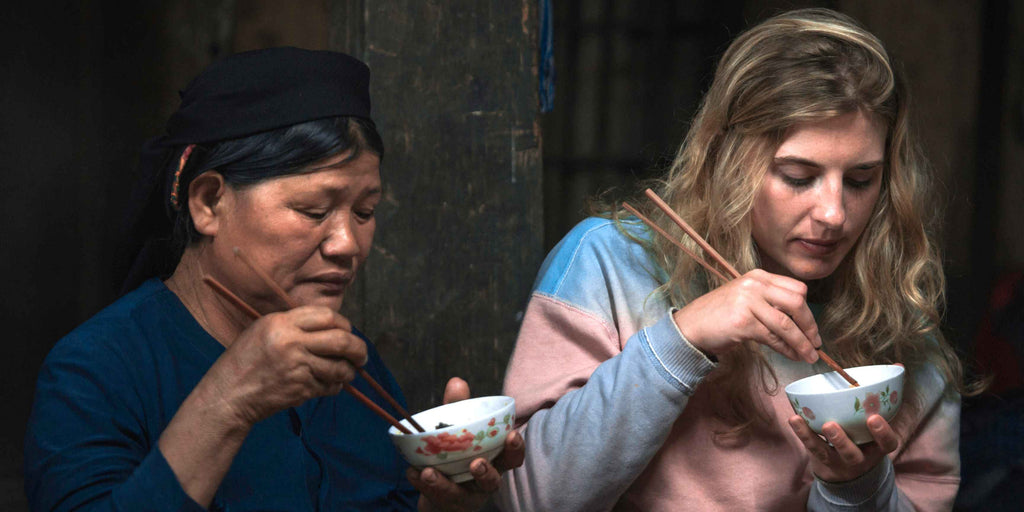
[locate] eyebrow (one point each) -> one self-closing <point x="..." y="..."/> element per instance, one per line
<point x="367" y="192"/>
<point x="333" y="190"/>
<point x="810" y="163"/>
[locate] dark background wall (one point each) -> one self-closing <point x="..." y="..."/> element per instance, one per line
<point x="472" y="201"/>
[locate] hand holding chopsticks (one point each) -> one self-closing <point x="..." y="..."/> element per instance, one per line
<point x="730" y="270"/>
<point x="290" y="304"/>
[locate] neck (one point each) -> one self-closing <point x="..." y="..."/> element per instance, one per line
<point x="219" y="318"/>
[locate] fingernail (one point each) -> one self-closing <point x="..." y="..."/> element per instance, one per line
<point x="477" y="467"/>
<point x="428" y="476"/>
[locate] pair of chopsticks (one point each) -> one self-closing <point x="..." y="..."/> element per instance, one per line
<point x="714" y="255"/>
<point x="281" y="294"/>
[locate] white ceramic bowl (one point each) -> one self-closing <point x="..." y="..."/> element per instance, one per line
<point x="828" y="397"/>
<point x="478" y="429"/>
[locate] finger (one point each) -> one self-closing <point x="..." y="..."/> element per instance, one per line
<point x="814" y="445"/>
<point x="794" y="304"/>
<point x="336" y="344"/>
<point x="848" y="451"/>
<point x="299" y="388"/>
<point x="789" y="295"/>
<point x="780" y="324"/>
<point x="485" y="475"/>
<point x="766" y="334"/>
<point x="313" y="318"/>
<point x="311" y="377"/>
<point x="514" y="453"/>
<point x="330" y="371"/>
<point x="435" y="486"/>
<point x="342" y="322"/>
<point x="793" y="285"/>
<point x="456" y="390"/>
<point x="885" y="437"/>
<point x="768" y="338"/>
<point x="327" y="388"/>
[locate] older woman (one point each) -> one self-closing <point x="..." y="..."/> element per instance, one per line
<point x="172" y="398"/>
<point x="649" y="384"/>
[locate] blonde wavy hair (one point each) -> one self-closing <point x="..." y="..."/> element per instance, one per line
<point x="882" y="304"/>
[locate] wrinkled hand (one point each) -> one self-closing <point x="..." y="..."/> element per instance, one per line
<point x="284" y="359"/>
<point x="766" y="308"/>
<point x="441" y="494"/>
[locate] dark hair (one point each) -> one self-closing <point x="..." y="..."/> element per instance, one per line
<point x="249" y="160"/>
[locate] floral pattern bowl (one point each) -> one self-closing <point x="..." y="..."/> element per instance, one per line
<point x="476" y="428"/>
<point x="828" y="397"/>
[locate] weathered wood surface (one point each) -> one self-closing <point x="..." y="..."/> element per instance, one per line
<point x="459" y="235"/>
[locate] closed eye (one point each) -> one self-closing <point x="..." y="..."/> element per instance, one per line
<point x="797" y="182"/>
<point x="317" y="215"/>
<point x="858" y="184"/>
<point x="863" y="176"/>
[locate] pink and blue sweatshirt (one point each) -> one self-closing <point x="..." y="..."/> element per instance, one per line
<point x="615" y="417"/>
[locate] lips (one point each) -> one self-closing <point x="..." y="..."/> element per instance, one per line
<point x="332" y="282"/>
<point x="817" y="247"/>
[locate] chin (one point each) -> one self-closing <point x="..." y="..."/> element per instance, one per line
<point x="813" y="272"/>
<point x="810" y="269"/>
<point x="332" y="302"/>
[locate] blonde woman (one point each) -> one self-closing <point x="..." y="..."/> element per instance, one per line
<point x="645" y="383"/>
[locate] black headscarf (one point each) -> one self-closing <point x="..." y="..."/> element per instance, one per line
<point x="244" y="94"/>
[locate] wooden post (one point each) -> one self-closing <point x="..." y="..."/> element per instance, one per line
<point x="459" y="237"/>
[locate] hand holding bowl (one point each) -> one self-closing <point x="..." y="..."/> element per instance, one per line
<point x="477" y="428"/>
<point x="828" y="397"/>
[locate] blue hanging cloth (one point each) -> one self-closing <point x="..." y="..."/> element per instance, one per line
<point x="547" y="58"/>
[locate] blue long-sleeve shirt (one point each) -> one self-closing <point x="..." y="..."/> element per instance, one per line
<point x="109" y="388"/>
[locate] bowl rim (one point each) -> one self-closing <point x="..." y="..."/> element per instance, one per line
<point x="392" y="430"/>
<point x="899" y="374"/>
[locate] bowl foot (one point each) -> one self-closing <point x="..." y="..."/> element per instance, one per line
<point x="461" y="477"/>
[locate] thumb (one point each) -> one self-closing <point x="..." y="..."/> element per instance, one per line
<point x="457" y="389"/>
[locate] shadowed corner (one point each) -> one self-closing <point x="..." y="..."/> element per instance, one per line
<point x="992" y="424"/>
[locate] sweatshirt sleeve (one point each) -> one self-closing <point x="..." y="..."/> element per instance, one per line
<point x="85" y="447"/>
<point x="595" y="416"/>
<point x="924" y="472"/>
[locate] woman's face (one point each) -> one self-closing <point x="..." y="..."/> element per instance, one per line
<point x="311" y="232"/>
<point x="818" y="195"/>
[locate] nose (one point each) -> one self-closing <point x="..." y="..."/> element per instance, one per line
<point x="830" y="210"/>
<point x="341" y="240"/>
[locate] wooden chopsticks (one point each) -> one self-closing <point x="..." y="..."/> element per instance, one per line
<point x="252" y="313"/>
<point x="292" y="305"/>
<point x="672" y="239"/>
<point x="715" y="256"/>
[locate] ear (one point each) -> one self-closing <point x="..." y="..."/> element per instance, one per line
<point x="206" y="201"/>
